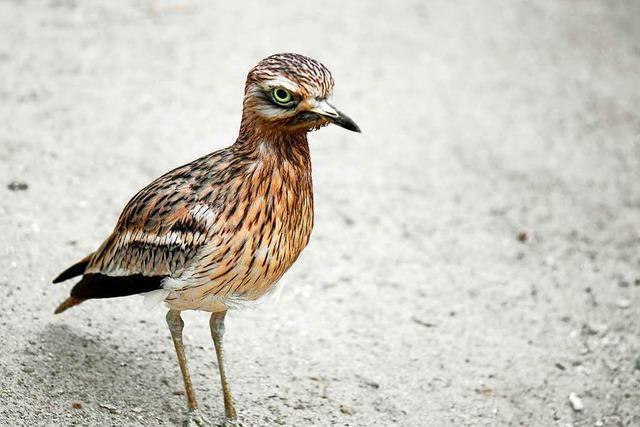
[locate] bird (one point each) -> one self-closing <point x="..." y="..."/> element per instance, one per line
<point x="218" y="233"/>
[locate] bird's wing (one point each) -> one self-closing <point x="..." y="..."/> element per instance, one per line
<point x="159" y="231"/>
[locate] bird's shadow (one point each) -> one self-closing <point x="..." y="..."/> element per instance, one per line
<point x="122" y="382"/>
<point x="68" y="366"/>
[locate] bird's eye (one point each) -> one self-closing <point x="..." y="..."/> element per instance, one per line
<point x="281" y="96"/>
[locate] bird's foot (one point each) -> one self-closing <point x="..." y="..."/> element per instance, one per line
<point x="195" y="419"/>
<point x="230" y="422"/>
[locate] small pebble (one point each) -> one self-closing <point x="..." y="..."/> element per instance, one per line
<point x="576" y="402"/>
<point x="421" y="322"/>
<point x="623" y="303"/>
<point x="347" y="410"/>
<point x="372" y="384"/>
<point x="485" y="391"/>
<point x="594" y="328"/>
<point x="17" y="186"/>
<point x="109" y="408"/>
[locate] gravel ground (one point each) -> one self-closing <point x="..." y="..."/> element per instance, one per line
<point x="475" y="258"/>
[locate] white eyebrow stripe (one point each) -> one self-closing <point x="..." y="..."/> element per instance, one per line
<point x="280" y="81"/>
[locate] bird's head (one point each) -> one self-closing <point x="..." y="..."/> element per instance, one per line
<point x="288" y="92"/>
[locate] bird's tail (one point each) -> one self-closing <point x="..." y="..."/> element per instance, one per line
<point x="76" y="269"/>
<point x="68" y="303"/>
<point x="97" y="285"/>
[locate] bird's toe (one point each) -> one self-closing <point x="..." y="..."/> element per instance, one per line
<point x="229" y="422"/>
<point x="195" y="419"/>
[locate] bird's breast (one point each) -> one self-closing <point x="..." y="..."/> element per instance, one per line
<point x="262" y="227"/>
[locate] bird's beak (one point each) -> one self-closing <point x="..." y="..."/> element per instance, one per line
<point x="324" y="109"/>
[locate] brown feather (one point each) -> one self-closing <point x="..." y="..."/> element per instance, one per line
<point x="68" y="303"/>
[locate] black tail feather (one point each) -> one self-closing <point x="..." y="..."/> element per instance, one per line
<point x="76" y="269"/>
<point x="103" y="286"/>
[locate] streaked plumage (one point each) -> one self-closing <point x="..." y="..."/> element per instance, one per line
<point x="223" y="229"/>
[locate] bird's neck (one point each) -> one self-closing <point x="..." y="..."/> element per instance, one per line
<point x="277" y="164"/>
<point x="276" y="143"/>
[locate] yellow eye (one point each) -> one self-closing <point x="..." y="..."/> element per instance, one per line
<point x="281" y="96"/>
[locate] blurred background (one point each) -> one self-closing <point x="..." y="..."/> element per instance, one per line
<point x="475" y="256"/>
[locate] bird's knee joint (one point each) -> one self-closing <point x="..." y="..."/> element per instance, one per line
<point x="174" y="320"/>
<point x="217" y="325"/>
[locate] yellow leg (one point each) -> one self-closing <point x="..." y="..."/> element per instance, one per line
<point x="217" y="332"/>
<point x="175" y="326"/>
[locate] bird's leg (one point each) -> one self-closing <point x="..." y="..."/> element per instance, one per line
<point x="175" y="326"/>
<point x="217" y="331"/>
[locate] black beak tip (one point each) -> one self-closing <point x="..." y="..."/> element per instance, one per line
<point x="345" y="122"/>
